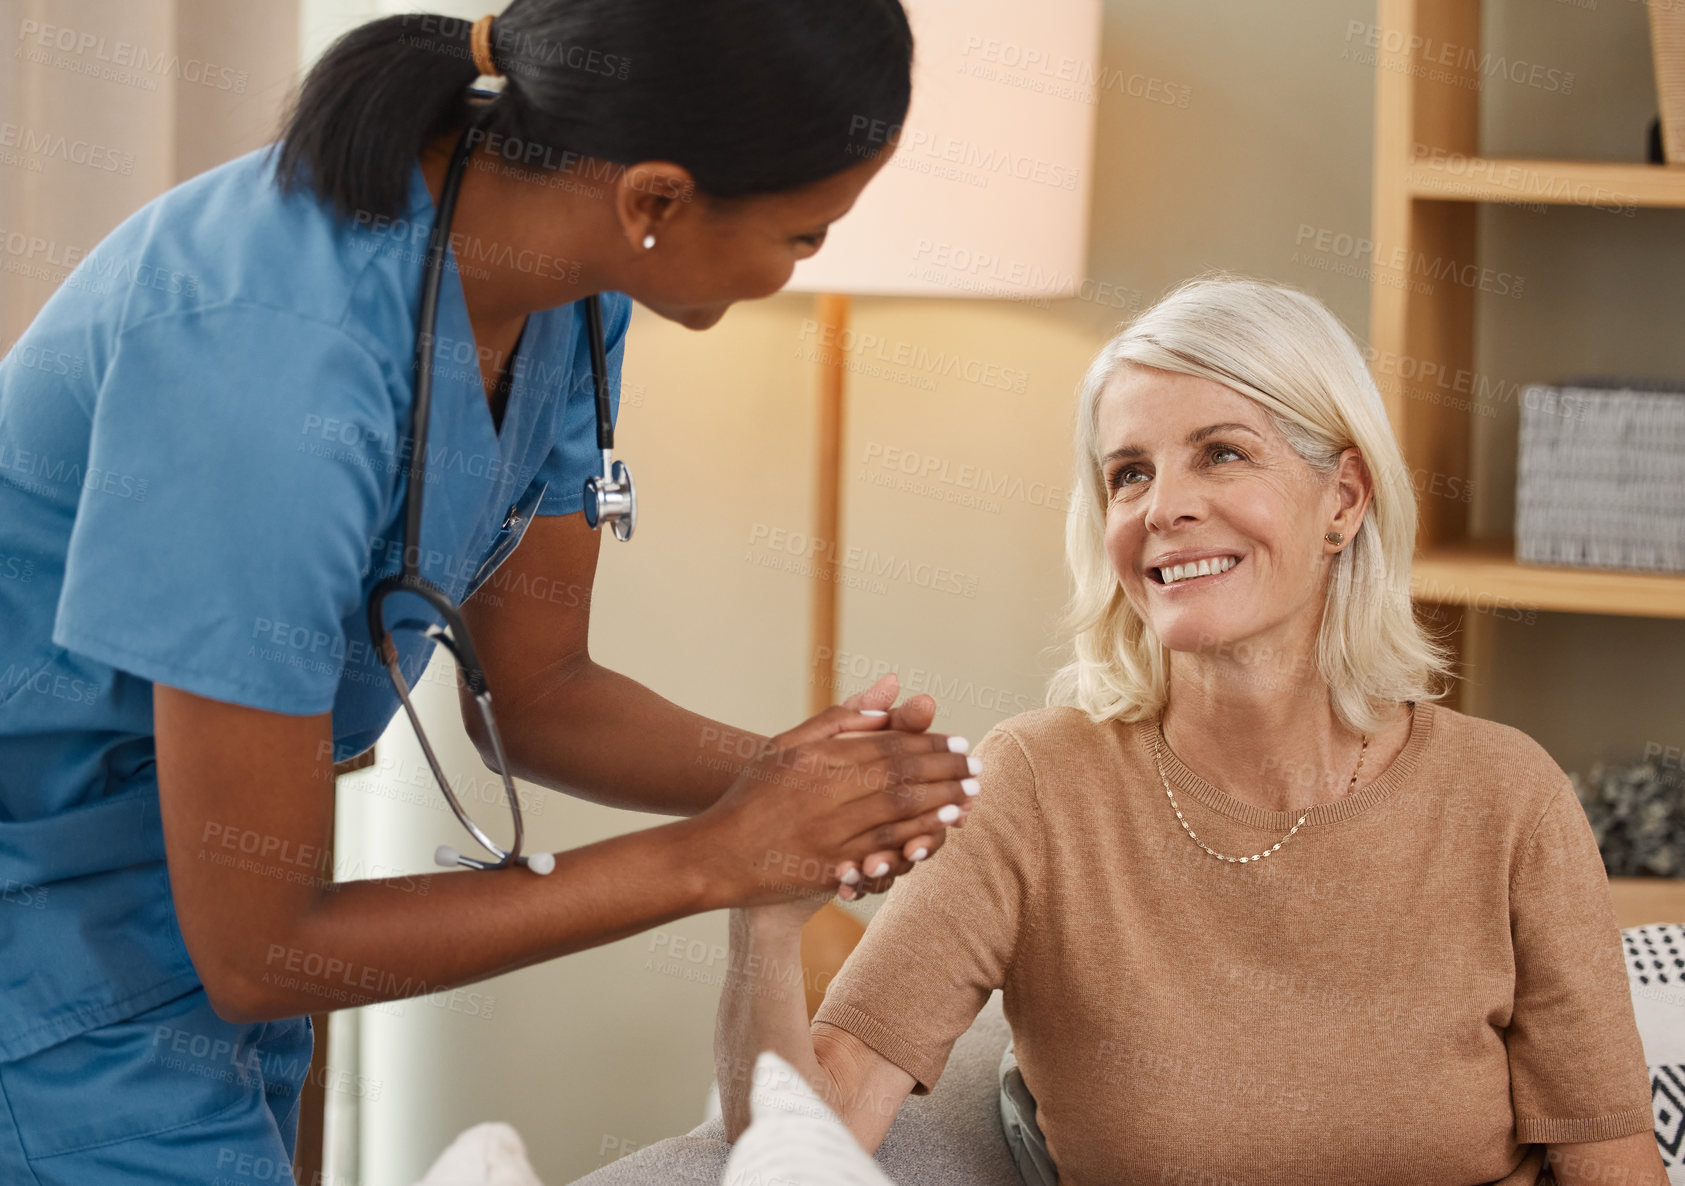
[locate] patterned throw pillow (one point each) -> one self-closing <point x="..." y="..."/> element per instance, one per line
<point x="1655" y="961"/>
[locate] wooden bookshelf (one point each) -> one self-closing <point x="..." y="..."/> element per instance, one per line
<point x="1429" y="179"/>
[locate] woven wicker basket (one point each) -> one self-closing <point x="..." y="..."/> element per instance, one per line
<point x="1667" y="39"/>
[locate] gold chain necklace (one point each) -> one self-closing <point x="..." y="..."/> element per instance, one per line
<point x="1158" y="733"/>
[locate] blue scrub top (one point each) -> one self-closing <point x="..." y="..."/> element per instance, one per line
<point x="203" y="463"/>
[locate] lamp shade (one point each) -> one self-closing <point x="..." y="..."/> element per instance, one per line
<point x="987" y="193"/>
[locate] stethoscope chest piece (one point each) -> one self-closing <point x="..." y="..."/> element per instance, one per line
<point x="613" y="500"/>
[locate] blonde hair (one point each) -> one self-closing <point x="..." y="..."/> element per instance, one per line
<point x="1287" y="352"/>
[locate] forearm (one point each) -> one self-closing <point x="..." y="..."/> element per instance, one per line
<point x="602" y="736"/>
<point x="1634" y="1160"/>
<point x="763" y="1006"/>
<point x="380" y="940"/>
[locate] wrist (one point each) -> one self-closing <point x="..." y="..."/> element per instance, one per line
<point x="687" y="855"/>
<point x="761" y="927"/>
<point x="713" y="876"/>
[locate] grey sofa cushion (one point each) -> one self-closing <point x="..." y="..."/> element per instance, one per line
<point x="951" y="1137"/>
<point x="1018" y="1122"/>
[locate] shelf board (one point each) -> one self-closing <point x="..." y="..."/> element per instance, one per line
<point x="1640" y="900"/>
<point x="1485" y="575"/>
<point x="1612" y="186"/>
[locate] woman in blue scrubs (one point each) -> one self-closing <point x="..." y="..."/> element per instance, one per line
<point x="203" y="475"/>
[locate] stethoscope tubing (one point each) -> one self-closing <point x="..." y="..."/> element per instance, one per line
<point x="609" y="498"/>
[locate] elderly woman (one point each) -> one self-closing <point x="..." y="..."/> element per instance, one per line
<point x="1262" y="911"/>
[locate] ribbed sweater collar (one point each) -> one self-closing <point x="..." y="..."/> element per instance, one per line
<point x="1182" y="779"/>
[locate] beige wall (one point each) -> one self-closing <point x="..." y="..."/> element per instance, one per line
<point x="221" y="72"/>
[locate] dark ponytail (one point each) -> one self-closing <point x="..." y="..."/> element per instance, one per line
<point x="370" y="103"/>
<point x="752" y="96"/>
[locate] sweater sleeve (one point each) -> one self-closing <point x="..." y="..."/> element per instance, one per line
<point x="945" y="937"/>
<point x="1577" y="1069"/>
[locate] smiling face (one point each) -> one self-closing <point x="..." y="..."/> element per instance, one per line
<point x="711" y="252"/>
<point x="1200" y="481"/>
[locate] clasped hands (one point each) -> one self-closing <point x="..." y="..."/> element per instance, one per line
<point x="842" y="804"/>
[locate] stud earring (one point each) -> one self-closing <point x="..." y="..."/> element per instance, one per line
<point x="1334" y="537"/>
<point x="649" y="241"/>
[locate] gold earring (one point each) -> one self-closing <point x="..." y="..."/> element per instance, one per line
<point x="1334" y="537"/>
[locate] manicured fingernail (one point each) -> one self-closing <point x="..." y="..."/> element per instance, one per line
<point x="874" y="712"/>
<point x="974" y="764"/>
<point x="970" y="785"/>
<point x="852" y="877"/>
<point x="883" y="867"/>
<point x="958" y="745"/>
<point x="920" y="853"/>
<point x="949" y="813"/>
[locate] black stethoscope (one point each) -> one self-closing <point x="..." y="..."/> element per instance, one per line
<point x="609" y="498"/>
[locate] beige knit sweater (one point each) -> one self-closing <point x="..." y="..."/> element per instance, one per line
<point x="1422" y="986"/>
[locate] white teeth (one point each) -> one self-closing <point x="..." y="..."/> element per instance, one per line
<point x="1201" y="568"/>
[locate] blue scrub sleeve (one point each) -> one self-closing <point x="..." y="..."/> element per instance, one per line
<point x="576" y="456"/>
<point x="249" y="458"/>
